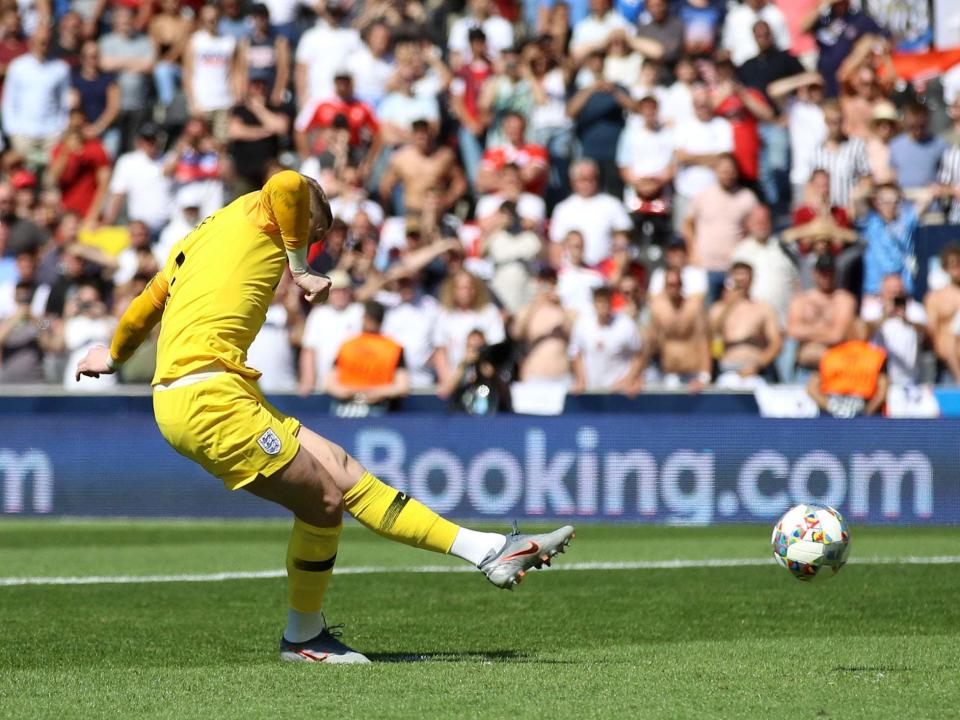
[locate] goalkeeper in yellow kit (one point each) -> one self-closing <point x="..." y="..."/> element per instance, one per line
<point x="212" y="297"/>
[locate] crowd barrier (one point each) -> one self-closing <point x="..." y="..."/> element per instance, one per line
<point x="92" y="460"/>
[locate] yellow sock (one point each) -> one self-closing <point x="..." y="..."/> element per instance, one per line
<point x="397" y="516"/>
<point x="311" y="554"/>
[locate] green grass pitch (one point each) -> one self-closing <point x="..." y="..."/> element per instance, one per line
<point x="877" y="641"/>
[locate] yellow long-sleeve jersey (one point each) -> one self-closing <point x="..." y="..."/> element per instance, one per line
<point x="215" y="288"/>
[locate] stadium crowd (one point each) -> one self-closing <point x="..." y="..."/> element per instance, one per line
<point x="593" y="195"/>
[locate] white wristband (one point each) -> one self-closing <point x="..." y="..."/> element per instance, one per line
<point x="297" y="260"/>
<point x="113" y="364"/>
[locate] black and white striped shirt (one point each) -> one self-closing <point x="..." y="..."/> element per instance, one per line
<point x="950" y="175"/>
<point x="846" y="164"/>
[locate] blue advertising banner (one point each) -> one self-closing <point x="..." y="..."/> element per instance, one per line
<point x="665" y="469"/>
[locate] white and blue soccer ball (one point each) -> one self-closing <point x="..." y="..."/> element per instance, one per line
<point x="811" y="541"/>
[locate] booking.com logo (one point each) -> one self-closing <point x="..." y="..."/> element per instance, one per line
<point x="681" y="486"/>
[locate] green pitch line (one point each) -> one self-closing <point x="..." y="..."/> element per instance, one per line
<point x="748" y="642"/>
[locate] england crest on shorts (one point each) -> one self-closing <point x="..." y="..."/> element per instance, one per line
<point x="269" y="442"/>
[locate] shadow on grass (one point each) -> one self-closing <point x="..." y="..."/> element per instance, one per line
<point x="465" y="656"/>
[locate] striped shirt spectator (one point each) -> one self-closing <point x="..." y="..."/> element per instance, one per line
<point x="950" y="178"/>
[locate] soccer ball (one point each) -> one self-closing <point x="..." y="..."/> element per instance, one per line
<point x="811" y="541"/>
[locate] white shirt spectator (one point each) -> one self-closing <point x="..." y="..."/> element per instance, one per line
<point x="644" y="152"/>
<point x="271" y="353"/>
<point x="212" y="60"/>
<point x="592" y="30"/>
<point x="898" y="337"/>
<point x="807" y="130"/>
<point x="326" y="330"/>
<point x="283" y="11"/>
<point x="676" y="105"/>
<point x="320" y="49"/>
<point x="370" y="75"/>
<point x="498" y="30"/>
<point x="512" y="256"/>
<point x="453" y="327"/>
<point x="411" y="324"/>
<point x="738" y="30"/>
<point x="347" y="208"/>
<point x="80" y="334"/>
<point x="607" y="350"/>
<point x="775" y="276"/>
<point x="701" y="138"/>
<point x="401" y="110"/>
<point x="530" y="207"/>
<point x="596" y="217"/>
<point x="148" y="191"/>
<point x="552" y="114"/>
<point x="575" y="287"/>
<point x="692" y="278"/>
<point x="35" y="97"/>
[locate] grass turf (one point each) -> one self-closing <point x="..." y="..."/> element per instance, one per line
<point x="877" y="641"/>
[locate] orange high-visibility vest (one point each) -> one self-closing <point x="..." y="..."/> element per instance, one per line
<point x="852" y="369"/>
<point x="368" y="360"/>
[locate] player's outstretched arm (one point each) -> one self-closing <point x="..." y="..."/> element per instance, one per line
<point x="135" y="325"/>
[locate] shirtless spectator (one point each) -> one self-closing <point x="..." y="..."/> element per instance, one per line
<point x="677" y="257"/>
<point x="576" y="280"/>
<point x="419" y="166"/>
<point x="749" y="330"/>
<point x="678" y="336"/>
<point x="942" y="306"/>
<point x="606" y="349"/>
<point x="543" y="329"/>
<point x="821" y="317"/>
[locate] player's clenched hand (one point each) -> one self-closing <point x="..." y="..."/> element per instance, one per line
<point x="315" y="287"/>
<point x="95" y="363"/>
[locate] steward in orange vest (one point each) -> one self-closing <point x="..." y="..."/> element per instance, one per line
<point x="851" y="380"/>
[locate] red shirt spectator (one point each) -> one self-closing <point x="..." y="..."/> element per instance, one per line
<point x="80" y="167"/>
<point x="523" y="155"/>
<point x="746" y="133"/>
<point x="361" y="119"/>
<point x="12" y="44"/>
<point x="533" y="160"/>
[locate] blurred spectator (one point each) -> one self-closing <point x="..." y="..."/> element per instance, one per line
<point x="770" y="61"/>
<point x="715" y="222"/>
<point x="24" y="234"/>
<point x="915" y="154"/>
<point x="24" y="338"/>
<point x="801" y="97"/>
<point x="888" y="230"/>
<point x="576" y="281"/>
<point x="255" y="131"/>
<point x="465" y="306"/>
<point x="592" y="32"/>
<point x="506" y="101"/>
<point x="196" y="163"/>
<point x="80" y="169"/>
<point x="370" y="370"/>
<point x="266" y="56"/>
<point x="330" y="38"/>
<point x="233" y="22"/>
<point x="410" y="321"/>
<point x="185" y="217"/>
<point x="656" y="23"/>
<point x="402" y="107"/>
<point x="952" y="135"/>
<point x="137" y="258"/>
<point x="897" y="324"/>
<point x="343" y="109"/>
<point x="328" y="326"/>
<point x="836" y="28"/>
<point x="701" y="24"/>
<point x="12" y="42"/>
<point x="605" y="348"/>
<point x="131" y="55"/>
<point x="745" y="109"/>
<point x="845" y="159"/>
<point x="739" y="37"/>
<point x="372" y="66"/>
<point x="676" y="257"/>
<point x="598" y="111"/>
<point x="97" y="95"/>
<point x="465" y="102"/>
<point x="677" y="103"/>
<point x="700" y="142"/>
<point x="417" y="167"/>
<point x="821" y="317"/>
<point x="595" y="215"/>
<point x="212" y="76"/>
<point x="815" y="202"/>
<point x="748" y="331"/>
<point x="35" y="96"/>
<point x="543" y="329"/>
<point x="949" y="183"/>
<point x="477" y="382"/>
<point x="353" y="199"/>
<point x="942" y="306"/>
<point x="861" y="87"/>
<point x="511" y="251"/>
<point x="86" y="324"/>
<point x="480" y="15"/>
<point x="14" y="271"/>
<point x="884" y="124"/>
<point x="272" y="351"/>
<point x="529" y="207"/>
<point x="851" y="379"/>
<point x="140" y="184"/>
<point x="170" y="32"/>
<point x="775" y="279"/>
<point x="678" y="336"/>
<point x="532" y="159"/>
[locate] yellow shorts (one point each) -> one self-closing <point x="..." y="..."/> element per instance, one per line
<point x="224" y="424"/>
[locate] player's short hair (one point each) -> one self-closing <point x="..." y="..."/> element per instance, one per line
<point x="319" y="205"/>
